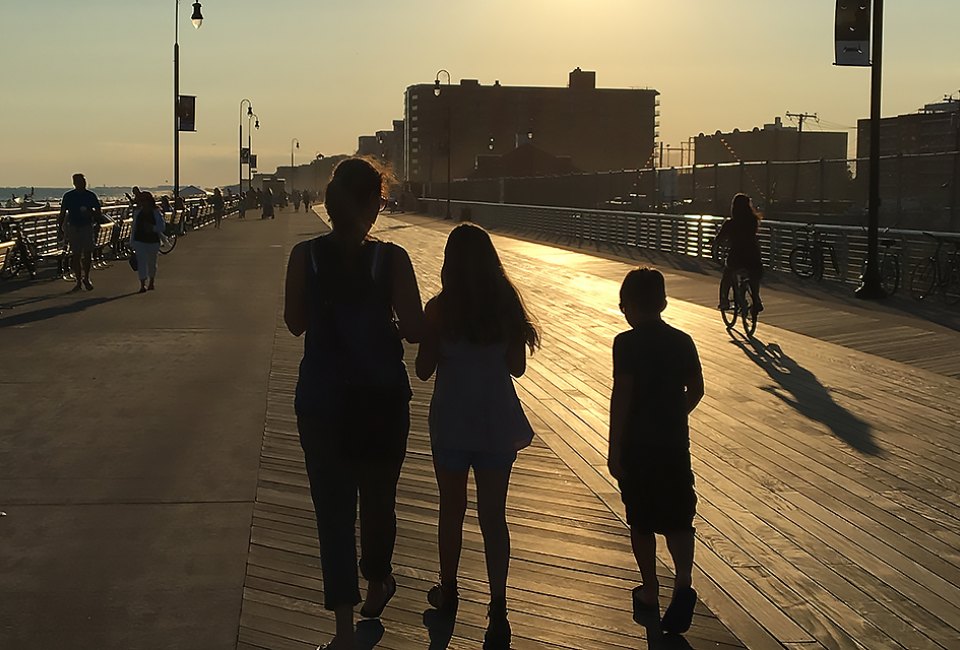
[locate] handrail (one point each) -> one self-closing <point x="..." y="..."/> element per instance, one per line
<point x="690" y="235"/>
<point x="43" y="228"/>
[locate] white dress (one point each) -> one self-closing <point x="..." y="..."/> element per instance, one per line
<point x="475" y="405"/>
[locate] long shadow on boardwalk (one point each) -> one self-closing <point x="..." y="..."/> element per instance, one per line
<point x="58" y="310"/>
<point x="800" y="389"/>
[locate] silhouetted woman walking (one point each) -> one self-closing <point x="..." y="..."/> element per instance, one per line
<point x="352" y="400"/>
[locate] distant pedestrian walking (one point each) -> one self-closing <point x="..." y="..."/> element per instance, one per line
<point x="477" y="335"/>
<point x="296" y="201"/>
<point x="267" y="199"/>
<point x="80" y="214"/>
<point x="657" y="382"/>
<point x="307" y="200"/>
<point x="352" y="398"/>
<point x="148" y="226"/>
<point x="218" y="204"/>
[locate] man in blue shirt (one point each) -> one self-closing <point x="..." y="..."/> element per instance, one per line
<point x="79" y="211"/>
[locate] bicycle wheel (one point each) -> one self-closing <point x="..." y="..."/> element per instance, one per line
<point x="167" y="243"/>
<point x="890" y="275"/>
<point x="11" y="268"/>
<point x="747" y="313"/>
<point x="923" y="279"/>
<point x="951" y="288"/>
<point x="802" y="262"/>
<point x="730" y="313"/>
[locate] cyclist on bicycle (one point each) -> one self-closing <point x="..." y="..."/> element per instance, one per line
<point x="740" y="233"/>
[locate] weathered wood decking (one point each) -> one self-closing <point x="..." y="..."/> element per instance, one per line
<point x="827" y="477"/>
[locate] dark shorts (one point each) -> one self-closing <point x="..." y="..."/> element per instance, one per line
<point x="80" y="238"/>
<point x="659" y="496"/>
<point x="455" y="460"/>
<point x="748" y="260"/>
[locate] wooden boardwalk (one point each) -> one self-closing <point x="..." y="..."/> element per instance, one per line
<point x="828" y="477"/>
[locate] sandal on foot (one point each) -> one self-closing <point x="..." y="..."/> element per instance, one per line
<point x="498" y="634"/>
<point x="679" y="615"/>
<point x="640" y="607"/>
<point x="374" y="612"/>
<point x="444" y="598"/>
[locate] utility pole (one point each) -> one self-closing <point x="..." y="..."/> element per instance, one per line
<point x="801" y="118"/>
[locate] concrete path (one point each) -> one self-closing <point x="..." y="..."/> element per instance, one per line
<point x="130" y="430"/>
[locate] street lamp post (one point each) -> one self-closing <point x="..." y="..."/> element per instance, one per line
<point x="437" y="91"/>
<point x="251" y="117"/>
<point x="197" y="19"/>
<point x="240" y="148"/>
<point x="871" y="287"/>
<point x="292" y="142"/>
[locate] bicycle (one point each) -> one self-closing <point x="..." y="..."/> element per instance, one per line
<point x="168" y="240"/>
<point x="934" y="275"/>
<point x="808" y="258"/>
<point x="889" y="267"/>
<point x="24" y="256"/>
<point x="739" y="303"/>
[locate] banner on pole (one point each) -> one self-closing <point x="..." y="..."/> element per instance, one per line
<point x="852" y="33"/>
<point x="187" y="113"/>
<point x="253" y="161"/>
<point x="244" y="155"/>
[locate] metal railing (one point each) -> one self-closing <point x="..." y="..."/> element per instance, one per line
<point x="43" y="228"/>
<point x="691" y="235"/>
<point x="922" y="188"/>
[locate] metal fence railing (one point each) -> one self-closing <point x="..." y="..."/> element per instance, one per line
<point x="42" y="229"/>
<point x="693" y="235"/>
<point x="921" y="189"/>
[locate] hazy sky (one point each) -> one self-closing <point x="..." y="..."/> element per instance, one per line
<point x="88" y="85"/>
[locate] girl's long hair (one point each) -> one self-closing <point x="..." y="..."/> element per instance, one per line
<point x="478" y="302"/>
<point x="742" y="210"/>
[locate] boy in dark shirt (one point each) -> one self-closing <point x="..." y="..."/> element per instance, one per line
<point x="657" y="382"/>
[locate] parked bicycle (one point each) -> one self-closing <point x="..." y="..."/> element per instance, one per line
<point x="890" y="274"/>
<point x="25" y="256"/>
<point x="808" y="258"/>
<point x="740" y="303"/>
<point x="937" y="273"/>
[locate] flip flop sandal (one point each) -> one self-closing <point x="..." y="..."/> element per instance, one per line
<point x="391" y="584"/>
<point x="640" y="607"/>
<point x="445" y="600"/>
<point x="679" y="615"/>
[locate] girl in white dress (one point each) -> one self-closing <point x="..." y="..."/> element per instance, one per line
<point x="477" y="335"/>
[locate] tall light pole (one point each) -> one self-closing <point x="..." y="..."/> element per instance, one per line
<point x="436" y="92"/>
<point x="240" y="148"/>
<point x="197" y="19"/>
<point x="870" y="286"/>
<point x="251" y="117"/>
<point x="292" y="142"/>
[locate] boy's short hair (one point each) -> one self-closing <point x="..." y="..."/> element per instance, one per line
<point x="644" y="288"/>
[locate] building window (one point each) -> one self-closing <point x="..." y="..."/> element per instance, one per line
<point x="413" y="118"/>
<point x="413" y="108"/>
<point x="415" y="149"/>
<point x="414" y="139"/>
<point x="414" y="129"/>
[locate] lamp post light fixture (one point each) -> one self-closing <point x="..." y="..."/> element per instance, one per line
<point x="197" y="19"/>
<point x="240" y="148"/>
<point x="437" y="91"/>
<point x="292" y="143"/>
